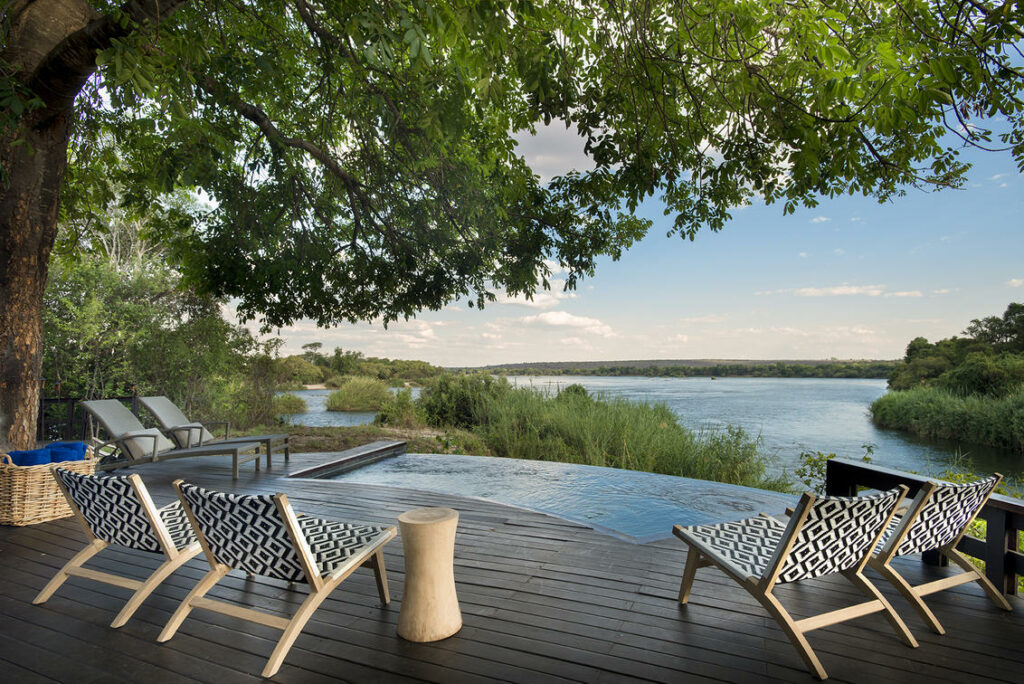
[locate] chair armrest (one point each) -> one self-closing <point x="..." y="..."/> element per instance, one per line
<point x="192" y="429"/>
<point x="225" y="423"/>
<point x="136" y="435"/>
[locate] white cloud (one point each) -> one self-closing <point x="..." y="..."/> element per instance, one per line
<point x="839" y="251"/>
<point x="713" y="318"/>
<point x="840" y="291"/>
<point x="544" y="299"/>
<point x="944" y="291"/>
<point x="1015" y="282"/>
<point x="563" y="319"/>
<point x="553" y="151"/>
<point x="820" y="219"/>
<point x="998" y="176"/>
<point x="856" y="219"/>
<point x="802" y="255"/>
<point x="905" y="293"/>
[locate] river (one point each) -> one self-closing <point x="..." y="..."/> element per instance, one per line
<point x="790" y="414"/>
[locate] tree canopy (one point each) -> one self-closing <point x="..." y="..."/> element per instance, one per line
<point x="359" y="157"/>
<point x="358" y="160"/>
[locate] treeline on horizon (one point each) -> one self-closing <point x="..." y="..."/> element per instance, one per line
<point x="968" y="388"/>
<point x="779" y="369"/>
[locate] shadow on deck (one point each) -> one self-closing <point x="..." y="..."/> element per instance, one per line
<point x="542" y="600"/>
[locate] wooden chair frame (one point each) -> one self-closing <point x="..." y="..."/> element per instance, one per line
<point x="174" y="558"/>
<point x="761" y="588"/>
<point x="881" y="562"/>
<point x="320" y="586"/>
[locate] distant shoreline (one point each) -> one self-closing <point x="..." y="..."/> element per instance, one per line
<point x="820" y="368"/>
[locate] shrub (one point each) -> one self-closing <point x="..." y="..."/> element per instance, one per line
<point x="576" y="428"/>
<point x="934" y="412"/>
<point x="399" y="410"/>
<point x="985" y="374"/>
<point x="336" y="381"/>
<point x="287" y="404"/>
<point x="358" y="394"/>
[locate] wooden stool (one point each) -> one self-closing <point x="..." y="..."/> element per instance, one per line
<point x="430" y="608"/>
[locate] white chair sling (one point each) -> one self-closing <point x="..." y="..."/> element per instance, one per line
<point x="937" y="518"/>
<point x="262" y="535"/>
<point x="119" y="511"/>
<point x="824" y="536"/>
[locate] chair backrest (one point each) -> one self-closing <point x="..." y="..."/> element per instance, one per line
<point x="170" y="416"/>
<point x="946" y="513"/>
<point x="837" y="534"/>
<point x="120" y="424"/>
<point x="113" y="508"/>
<point x="165" y="411"/>
<point x="245" y="531"/>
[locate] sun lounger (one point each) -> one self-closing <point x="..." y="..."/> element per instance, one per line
<point x="137" y="444"/>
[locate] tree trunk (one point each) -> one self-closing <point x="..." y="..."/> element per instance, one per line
<point x="28" y="227"/>
<point x="51" y="47"/>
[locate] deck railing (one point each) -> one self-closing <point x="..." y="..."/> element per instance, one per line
<point x="60" y="418"/>
<point x="1003" y="515"/>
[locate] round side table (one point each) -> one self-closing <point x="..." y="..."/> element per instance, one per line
<point x="430" y="607"/>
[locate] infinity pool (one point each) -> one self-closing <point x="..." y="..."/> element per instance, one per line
<point x="640" y="507"/>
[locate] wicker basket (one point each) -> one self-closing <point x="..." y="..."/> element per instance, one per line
<point x="30" y="495"/>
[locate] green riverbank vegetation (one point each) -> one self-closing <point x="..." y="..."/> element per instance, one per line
<point x="697" y="368"/>
<point x="577" y="427"/>
<point x="313" y="367"/>
<point x="358" y="393"/>
<point x="969" y="388"/>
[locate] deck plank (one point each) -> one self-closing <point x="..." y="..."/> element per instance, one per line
<point x="543" y="600"/>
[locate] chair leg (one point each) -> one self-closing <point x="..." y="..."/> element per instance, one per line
<point x="907" y="591"/>
<point x="151" y="583"/>
<point x="986" y="584"/>
<point x="796" y="636"/>
<point x="295" y="627"/>
<point x="62" y="575"/>
<point x="689" y="573"/>
<point x="381" y="575"/>
<point x="861" y="582"/>
<point x="209" y="579"/>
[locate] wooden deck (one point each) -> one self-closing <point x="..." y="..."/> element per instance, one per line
<point x="542" y="600"/>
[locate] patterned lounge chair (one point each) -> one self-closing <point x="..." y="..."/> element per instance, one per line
<point x="937" y="518"/>
<point x="118" y="511"/>
<point x="824" y="536"/>
<point x="262" y="535"/>
<point x="186" y="434"/>
<point x="138" y="444"/>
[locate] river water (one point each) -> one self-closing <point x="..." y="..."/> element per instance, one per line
<point x="790" y="414"/>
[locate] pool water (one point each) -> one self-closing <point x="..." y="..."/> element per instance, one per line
<point x="640" y="507"/>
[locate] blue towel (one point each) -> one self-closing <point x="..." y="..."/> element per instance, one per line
<point x="79" y="447"/>
<point x="58" y="454"/>
<point x="31" y="458"/>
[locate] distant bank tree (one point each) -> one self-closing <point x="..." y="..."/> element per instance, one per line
<point x="359" y="156"/>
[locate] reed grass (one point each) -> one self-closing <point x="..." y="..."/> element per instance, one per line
<point x="287" y="404"/>
<point x="358" y="394"/>
<point x="601" y="431"/>
<point x="934" y="412"/>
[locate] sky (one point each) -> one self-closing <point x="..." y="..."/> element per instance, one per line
<point x="849" y="279"/>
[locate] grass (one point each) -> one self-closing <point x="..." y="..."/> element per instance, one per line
<point x="358" y="394"/>
<point x="287" y="404"/>
<point x="935" y="413"/>
<point x="575" y="427"/>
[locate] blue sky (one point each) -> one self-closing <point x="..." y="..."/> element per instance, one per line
<point x="849" y="279"/>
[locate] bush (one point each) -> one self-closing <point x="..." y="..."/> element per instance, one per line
<point x="577" y="428"/>
<point x="399" y="410"/>
<point x="985" y="374"/>
<point x="287" y="404"/>
<point x="461" y="400"/>
<point x="934" y="412"/>
<point x="358" y="394"/>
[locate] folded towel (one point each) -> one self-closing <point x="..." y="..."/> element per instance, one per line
<point x="60" y="453"/>
<point x="30" y="458"/>
<point x="79" y="447"/>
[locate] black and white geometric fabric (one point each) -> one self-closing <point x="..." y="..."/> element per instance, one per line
<point x="838" y="533"/>
<point x="835" y="536"/>
<point x="114" y="513"/>
<point x="247" y="532"/>
<point x="949" y="509"/>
